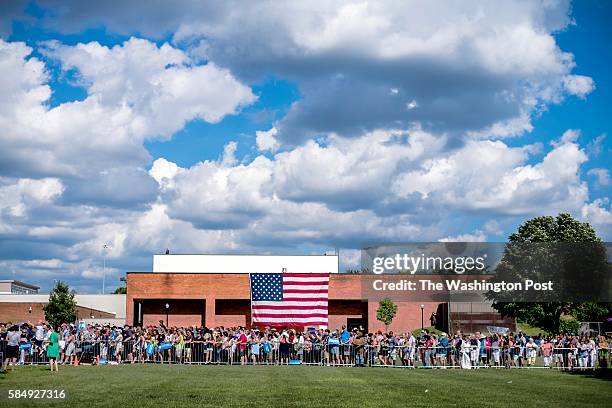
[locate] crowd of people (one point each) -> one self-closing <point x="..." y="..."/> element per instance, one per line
<point x="106" y="344"/>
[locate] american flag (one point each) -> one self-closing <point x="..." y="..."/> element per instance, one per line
<point x="289" y="299"/>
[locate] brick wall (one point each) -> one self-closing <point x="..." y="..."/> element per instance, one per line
<point x="206" y="287"/>
<point x="231" y="293"/>
<point x="20" y="312"/>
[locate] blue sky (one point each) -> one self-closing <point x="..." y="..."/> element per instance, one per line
<point x="209" y="127"/>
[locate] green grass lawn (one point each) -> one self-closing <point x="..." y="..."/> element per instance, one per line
<point x="300" y="386"/>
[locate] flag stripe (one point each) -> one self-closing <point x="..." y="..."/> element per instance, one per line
<point x="305" y="275"/>
<point x="293" y="320"/>
<point x="289" y="312"/>
<point x="290" y="299"/>
<point x="306" y="291"/>
<point x="291" y="315"/>
<point x="308" y="304"/>
<point x="305" y="285"/>
<point x="322" y="324"/>
<point x="305" y="281"/>
<point x="294" y="307"/>
<point x="303" y="298"/>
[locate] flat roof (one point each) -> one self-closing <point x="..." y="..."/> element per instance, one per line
<point x="20" y="283"/>
<point x="245" y="263"/>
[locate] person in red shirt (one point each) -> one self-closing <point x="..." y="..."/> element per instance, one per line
<point x="547" y="349"/>
<point x="242" y="345"/>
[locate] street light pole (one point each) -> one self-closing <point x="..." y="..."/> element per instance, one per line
<point x="167" y="308"/>
<point x="422" y="325"/>
<point x="104" y="248"/>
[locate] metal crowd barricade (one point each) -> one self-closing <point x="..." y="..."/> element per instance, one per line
<point x="491" y="357"/>
<point x="317" y="353"/>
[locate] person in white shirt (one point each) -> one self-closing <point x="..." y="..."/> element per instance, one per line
<point x="475" y="349"/>
<point x="592" y="347"/>
<point x="466" y="353"/>
<point x="13" y="336"/>
<point x="531" y="350"/>
<point x="39" y="336"/>
<point x="411" y="349"/>
<point x="118" y="345"/>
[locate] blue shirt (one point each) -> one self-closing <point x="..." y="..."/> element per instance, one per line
<point x="443" y="343"/>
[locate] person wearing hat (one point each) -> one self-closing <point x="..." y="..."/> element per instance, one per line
<point x="358" y="344"/>
<point x="442" y="349"/>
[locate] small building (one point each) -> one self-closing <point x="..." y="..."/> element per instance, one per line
<point x="90" y="308"/>
<point x="16" y="287"/>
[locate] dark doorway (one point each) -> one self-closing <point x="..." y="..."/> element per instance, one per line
<point x="360" y="324"/>
<point x="172" y="312"/>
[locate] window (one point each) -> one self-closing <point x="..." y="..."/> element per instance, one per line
<point x="20" y="290"/>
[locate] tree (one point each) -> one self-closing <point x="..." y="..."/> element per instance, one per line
<point x="386" y="311"/>
<point x="62" y="306"/>
<point x="561" y="249"/>
<point x="121" y="290"/>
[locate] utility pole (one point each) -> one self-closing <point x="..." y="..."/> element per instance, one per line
<point x="104" y="248"/>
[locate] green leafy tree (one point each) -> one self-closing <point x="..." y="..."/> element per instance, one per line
<point x="577" y="262"/>
<point x="569" y="326"/>
<point x="121" y="290"/>
<point x="386" y="311"/>
<point x="592" y="312"/>
<point x="62" y="306"/>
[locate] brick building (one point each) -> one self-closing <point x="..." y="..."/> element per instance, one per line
<point x="213" y="290"/>
<point x="29" y="308"/>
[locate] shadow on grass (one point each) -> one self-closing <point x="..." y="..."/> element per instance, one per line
<point x="599" y="373"/>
